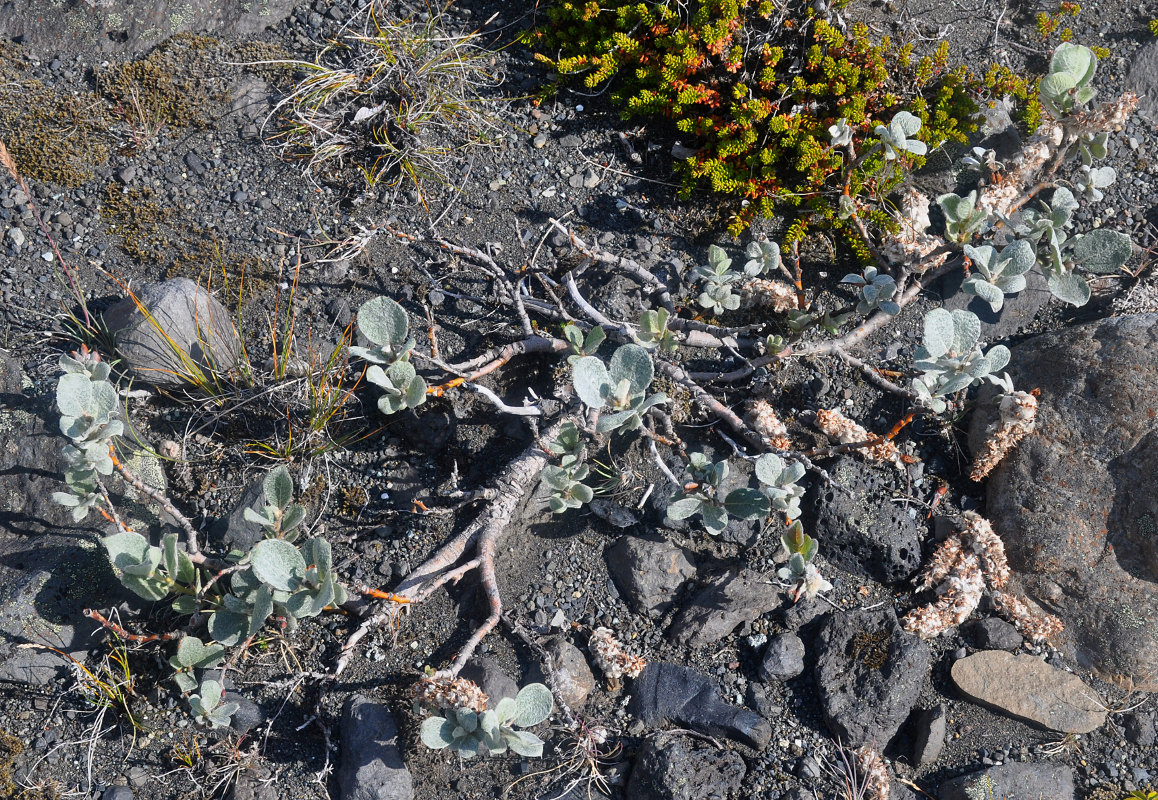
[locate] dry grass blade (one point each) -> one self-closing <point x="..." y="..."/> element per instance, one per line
<point x="396" y="102"/>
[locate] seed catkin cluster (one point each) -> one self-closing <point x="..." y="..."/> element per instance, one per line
<point x="1018" y="411"/>
<point x="440" y="694"/>
<point x="611" y="657"/>
<point x="961" y="569"/>
<point x="837" y="426"/>
<point x="762" y="417"/>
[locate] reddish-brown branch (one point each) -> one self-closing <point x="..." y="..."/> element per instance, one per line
<point x="124" y="634"/>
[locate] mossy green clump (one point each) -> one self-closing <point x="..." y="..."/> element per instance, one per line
<point x="54" y="137"/>
<point x="153" y="235"/>
<point x="758" y="89"/>
<point x="174" y="85"/>
<point x="10" y="749"/>
<point x="139" y="220"/>
<point x="872" y="648"/>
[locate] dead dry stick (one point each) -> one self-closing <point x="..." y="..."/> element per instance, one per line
<point x="510" y="486"/>
<point x="632" y="268"/>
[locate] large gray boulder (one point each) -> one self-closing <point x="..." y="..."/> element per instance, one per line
<point x="187" y="336"/>
<point x="1076" y="503"/>
<point x="45" y="27"/>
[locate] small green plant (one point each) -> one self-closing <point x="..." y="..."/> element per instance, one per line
<point x="565" y="480"/>
<point x="962" y="219"/>
<point x="582" y="345"/>
<point x="281" y="516"/>
<point x="1153" y="25"/>
<point x="874" y="291"/>
<point x="780" y="483"/>
<point x="465" y="731"/>
<point x="402" y="387"/>
<point x="950" y="357"/>
<point x="717" y="279"/>
<point x="895" y="138"/>
<point x="1101" y="251"/>
<point x="654" y="333"/>
<point x="763" y="257"/>
<point x="1066" y="88"/>
<point x="701" y="495"/>
<point x="997" y="274"/>
<point x="88" y="405"/>
<point x="1091" y="180"/>
<point x="567" y="491"/>
<point x="621" y="386"/>
<point x="801" y="549"/>
<point x="193" y="654"/>
<point x="385" y="327"/>
<point x="275" y="579"/>
<point x="208" y="707"/>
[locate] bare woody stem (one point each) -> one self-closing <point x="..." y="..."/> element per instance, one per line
<point x="509" y="488"/>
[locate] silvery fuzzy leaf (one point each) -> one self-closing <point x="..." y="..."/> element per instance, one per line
<point x="278" y="563"/>
<point x="533" y="704"/>
<point x="278" y="487"/>
<point x="383" y="322"/>
<point x="939" y="332"/>
<point x="1068" y="287"/>
<point x="436" y="732"/>
<point x="592" y="381"/>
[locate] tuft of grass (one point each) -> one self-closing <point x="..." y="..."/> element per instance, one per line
<point x="394" y="102"/>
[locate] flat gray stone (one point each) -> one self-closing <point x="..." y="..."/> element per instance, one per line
<point x="1029" y="689"/>
<point x="1076" y="502"/>
<point x="189" y="333"/>
<point x="371" y="766"/>
<point x="726" y="603"/>
<point x="1015" y="780"/>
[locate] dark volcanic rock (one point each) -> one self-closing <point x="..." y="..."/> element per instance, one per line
<point x="130" y="26"/>
<point x="490" y="677"/>
<point x="371" y="767"/>
<point x="676" y="768"/>
<point x="993" y="634"/>
<point x="868" y="674"/>
<point x="861" y="534"/>
<point x="681" y="695"/>
<point x="721" y="607"/>
<point x="929" y="734"/>
<point x="648" y="572"/>
<point x="783" y="658"/>
<point x="1141" y="728"/>
<point x="1013" y="780"/>
<point x="1076" y="503"/>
